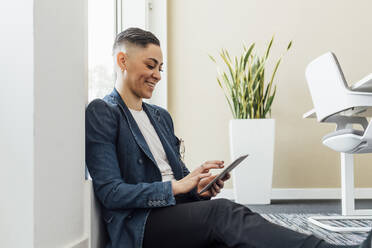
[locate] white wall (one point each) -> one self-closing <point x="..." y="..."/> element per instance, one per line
<point x="197" y="104"/>
<point x="43" y="69"/>
<point x="16" y="123"/>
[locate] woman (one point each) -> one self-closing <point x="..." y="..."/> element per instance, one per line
<point x="148" y="196"/>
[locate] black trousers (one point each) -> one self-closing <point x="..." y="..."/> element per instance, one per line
<point x="217" y="223"/>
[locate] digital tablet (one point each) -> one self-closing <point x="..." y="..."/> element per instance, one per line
<point x="224" y="172"/>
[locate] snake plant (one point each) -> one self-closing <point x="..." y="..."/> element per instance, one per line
<point x="244" y="82"/>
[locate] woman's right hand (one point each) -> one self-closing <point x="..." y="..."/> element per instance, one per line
<point x="190" y="181"/>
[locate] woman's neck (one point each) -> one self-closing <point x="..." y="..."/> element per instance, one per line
<point x="131" y="100"/>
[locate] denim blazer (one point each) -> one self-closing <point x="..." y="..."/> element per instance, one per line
<point x="126" y="178"/>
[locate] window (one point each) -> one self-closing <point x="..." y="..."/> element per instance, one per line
<point x="101" y="35"/>
<point x="106" y="19"/>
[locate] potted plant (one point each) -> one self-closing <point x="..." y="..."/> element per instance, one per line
<point x="251" y="132"/>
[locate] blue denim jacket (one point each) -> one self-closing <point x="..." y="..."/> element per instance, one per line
<point x="126" y="178"/>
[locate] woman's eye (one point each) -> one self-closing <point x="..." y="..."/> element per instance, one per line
<point x="150" y="67"/>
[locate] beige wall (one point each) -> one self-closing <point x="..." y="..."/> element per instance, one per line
<point x="201" y="115"/>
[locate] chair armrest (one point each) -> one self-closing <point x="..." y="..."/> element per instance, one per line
<point x="309" y="114"/>
<point x="361" y="93"/>
<point x="363" y="85"/>
<point x="343" y="121"/>
<point x="368" y="132"/>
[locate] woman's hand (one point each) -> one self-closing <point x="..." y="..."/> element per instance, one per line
<point x="216" y="187"/>
<point x="190" y="181"/>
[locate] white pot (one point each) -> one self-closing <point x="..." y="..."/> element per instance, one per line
<point x="252" y="179"/>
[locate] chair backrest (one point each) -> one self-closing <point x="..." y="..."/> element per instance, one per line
<point x="327" y="85"/>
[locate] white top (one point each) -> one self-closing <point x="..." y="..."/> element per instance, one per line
<point x="154" y="143"/>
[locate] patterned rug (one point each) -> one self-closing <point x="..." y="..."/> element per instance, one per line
<point x="299" y="223"/>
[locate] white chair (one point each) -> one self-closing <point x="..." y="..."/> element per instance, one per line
<point x="335" y="102"/>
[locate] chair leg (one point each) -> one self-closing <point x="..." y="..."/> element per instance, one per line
<point x="347" y="184"/>
<point x="347" y="201"/>
<point x="316" y="220"/>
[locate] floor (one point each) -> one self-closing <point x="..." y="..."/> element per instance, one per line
<point x="311" y="207"/>
<point x="306" y="206"/>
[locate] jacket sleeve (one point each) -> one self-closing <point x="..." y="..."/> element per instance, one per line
<point x="101" y="128"/>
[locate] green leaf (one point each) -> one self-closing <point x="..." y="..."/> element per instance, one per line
<point x="231" y="108"/>
<point x="212" y="58"/>
<point x="273" y="75"/>
<point x="269" y="47"/>
<point x="269" y="102"/>
<point x="247" y="55"/>
<point x="289" y="45"/>
<point x="228" y="63"/>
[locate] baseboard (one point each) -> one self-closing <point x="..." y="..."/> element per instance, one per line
<point x="316" y="193"/>
<point x="305" y="193"/>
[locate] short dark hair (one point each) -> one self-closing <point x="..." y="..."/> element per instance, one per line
<point x="135" y="36"/>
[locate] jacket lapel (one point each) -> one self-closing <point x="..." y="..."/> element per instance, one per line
<point x="155" y="119"/>
<point x="133" y="127"/>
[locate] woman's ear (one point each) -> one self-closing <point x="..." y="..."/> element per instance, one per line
<point x="121" y="60"/>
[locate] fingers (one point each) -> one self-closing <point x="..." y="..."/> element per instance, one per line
<point x="216" y="188"/>
<point x="207" y="166"/>
<point x="213" y="191"/>
<point x="226" y="177"/>
<point x="214" y="162"/>
<point x="203" y="175"/>
<point x="220" y="183"/>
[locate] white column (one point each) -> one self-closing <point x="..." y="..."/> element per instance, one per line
<point x="16" y="124"/>
<point x="59" y="96"/>
<point x="43" y="74"/>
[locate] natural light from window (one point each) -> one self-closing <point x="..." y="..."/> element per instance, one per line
<point x="101" y="33"/>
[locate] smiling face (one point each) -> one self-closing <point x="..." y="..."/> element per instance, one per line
<point x="141" y="69"/>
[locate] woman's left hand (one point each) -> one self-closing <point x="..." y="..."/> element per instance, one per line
<point x="216" y="187"/>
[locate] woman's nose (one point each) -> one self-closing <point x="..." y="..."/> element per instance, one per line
<point x="157" y="75"/>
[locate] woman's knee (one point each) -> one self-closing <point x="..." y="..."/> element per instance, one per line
<point x="223" y="202"/>
<point x="228" y="205"/>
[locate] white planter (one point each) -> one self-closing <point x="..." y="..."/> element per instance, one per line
<point x="252" y="179"/>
